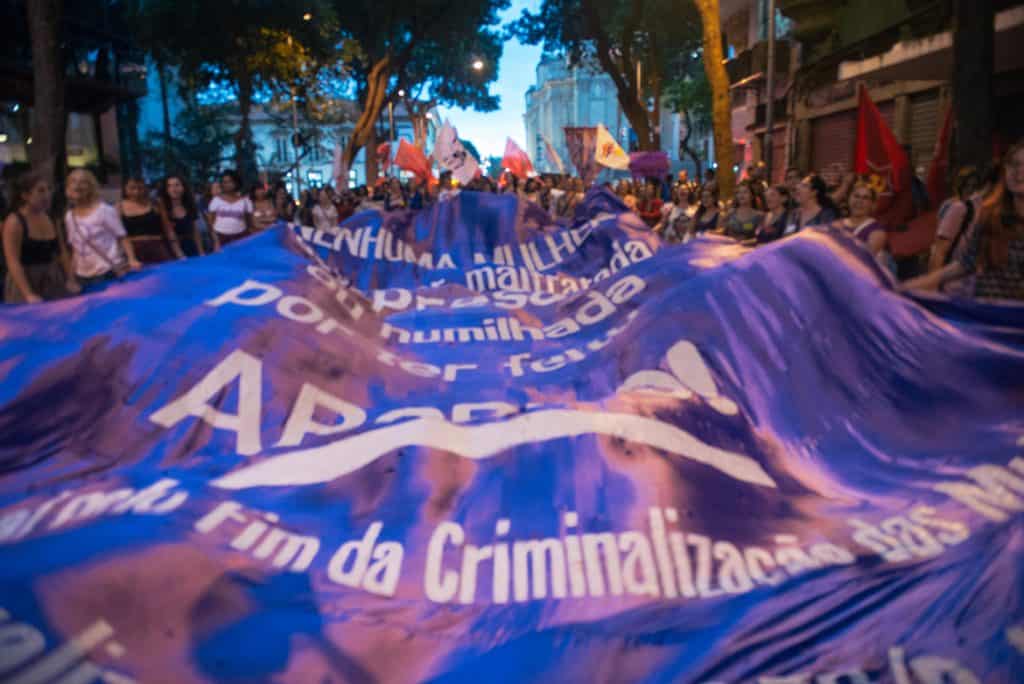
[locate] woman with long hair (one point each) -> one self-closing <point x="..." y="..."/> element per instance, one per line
<point x="230" y="211"/>
<point x="179" y="213"/>
<point x="707" y="215"/>
<point x="263" y="211"/>
<point x="677" y="221"/>
<point x="152" y="238"/>
<point x="814" y="205"/>
<point x="284" y="203"/>
<point x="993" y="250"/>
<point x="861" y="223"/>
<point x="99" y="244"/>
<point x="775" y="219"/>
<point x="743" y="221"/>
<point x="955" y="216"/>
<point x="37" y="261"/>
<point x="325" y="214"/>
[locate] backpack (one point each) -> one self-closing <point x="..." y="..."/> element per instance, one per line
<point x="964" y="225"/>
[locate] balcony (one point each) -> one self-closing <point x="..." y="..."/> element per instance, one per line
<point x="101" y="66"/>
<point x="750" y="66"/>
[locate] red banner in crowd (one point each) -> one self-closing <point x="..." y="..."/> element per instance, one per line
<point x="881" y="158"/>
<point x="516" y="160"/>
<point x="582" y="144"/>
<point x="383" y="155"/>
<point x="411" y="158"/>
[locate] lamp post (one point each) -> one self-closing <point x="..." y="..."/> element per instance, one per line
<point x="769" y="114"/>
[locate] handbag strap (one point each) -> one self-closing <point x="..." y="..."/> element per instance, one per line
<point x="88" y="241"/>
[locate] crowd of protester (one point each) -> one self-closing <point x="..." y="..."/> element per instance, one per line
<point x="978" y="248"/>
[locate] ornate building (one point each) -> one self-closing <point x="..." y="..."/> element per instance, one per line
<point x="580" y="96"/>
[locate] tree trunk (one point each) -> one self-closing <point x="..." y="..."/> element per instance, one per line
<point x="973" y="65"/>
<point x="245" y="156"/>
<point x="47" y="154"/>
<point x="637" y="116"/>
<point x="718" y="79"/>
<point x="373" y="103"/>
<point x="684" y="145"/>
<point x="161" y="72"/>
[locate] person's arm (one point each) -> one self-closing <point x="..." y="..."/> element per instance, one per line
<point x="129" y="252"/>
<point x="945" y="234"/>
<point x="117" y="229"/>
<point x="249" y="225"/>
<point x="211" y="221"/>
<point x="66" y="262"/>
<point x="876" y="242"/>
<point x="936" y="279"/>
<point x="12" y="249"/>
<point x="168" y="226"/>
<point x="197" y="235"/>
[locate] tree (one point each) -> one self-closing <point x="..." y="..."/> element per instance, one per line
<point x="253" y="45"/>
<point x="718" y="79"/>
<point x="634" y="41"/>
<point x="194" y="148"/>
<point x="690" y="96"/>
<point x="416" y="45"/>
<point x="47" y="153"/>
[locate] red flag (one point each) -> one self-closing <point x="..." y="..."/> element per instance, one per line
<point x="516" y="161"/>
<point x="938" y="172"/>
<point x="383" y="155"/>
<point x="882" y="159"/>
<point x="411" y="158"/>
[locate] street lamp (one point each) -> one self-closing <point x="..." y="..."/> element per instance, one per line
<point x="307" y="16"/>
<point x="478" y="65"/>
<point x="401" y="93"/>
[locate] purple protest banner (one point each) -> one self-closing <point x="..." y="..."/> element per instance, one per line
<point x="469" y="444"/>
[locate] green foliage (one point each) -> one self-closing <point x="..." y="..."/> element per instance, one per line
<point x="617" y="35"/>
<point x="196" y="148"/>
<point x="690" y="93"/>
<point x="431" y="45"/>
<point x="265" y="41"/>
<point x="252" y="44"/>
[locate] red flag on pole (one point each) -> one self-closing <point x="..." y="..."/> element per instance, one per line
<point x="881" y="158"/>
<point x="938" y="172"/>
<point x="411" y="158"/>
<point x="516" y="161"/>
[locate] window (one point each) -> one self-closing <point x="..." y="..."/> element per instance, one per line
<point x="782" y="24"/>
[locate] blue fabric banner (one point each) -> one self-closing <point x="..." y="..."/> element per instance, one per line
<point x="471" y="444"/>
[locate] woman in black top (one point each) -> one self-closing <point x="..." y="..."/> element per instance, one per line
<point x="178" y="210"/>
<point x="814" y="205"/>
<point x="706" y="217"/>
<point x="37" y="263"/>
<point x="773" y="225"/>
<point x="152" y="240"/>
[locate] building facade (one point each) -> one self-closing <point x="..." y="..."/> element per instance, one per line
<point x="274" y="128"/>
<point x="900" y="50"/>
<point x="581" y="96"/>
<point x="105" y="76"/>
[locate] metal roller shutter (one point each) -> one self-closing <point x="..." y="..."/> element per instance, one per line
<point x="924" y="127"/>
<point x="833" y="137"/>
<point x="832" y="140"/>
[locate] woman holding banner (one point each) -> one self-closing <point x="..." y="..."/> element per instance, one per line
<point x="230" y="212"/>
<point x="36" y="258"/>
<point x="99" y="242"/>
<point x="993" y="250"/>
